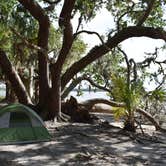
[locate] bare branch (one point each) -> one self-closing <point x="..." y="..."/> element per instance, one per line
<point x="150" y="118"/>
<point x="91" y="102"/>
<point x="79" y="22"/>
<point x="134" y="70"/>
<point x="65" y="24"/>
<point x="128" y="65"/>
<point x="52" y="2"/>
<point x="14" y="79"/>
<point x="91" y="33"/>
<point x="96" y="85"/>
<point x="125" y="13"/>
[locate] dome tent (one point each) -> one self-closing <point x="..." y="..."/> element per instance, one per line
<point x="20" y="124"/>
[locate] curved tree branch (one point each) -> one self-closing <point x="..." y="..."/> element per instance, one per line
<point x="66" y="26"/>
<point x="52" y="2"/>
<point x="14" y="79"/>
<point x="91" y="102"/>
<point x="98" y="51"/>
<point x="150" y="118"/>
<point x="91" y="33"/>
<point x="128" y="66"/>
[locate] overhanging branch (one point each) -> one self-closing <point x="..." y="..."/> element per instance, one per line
<point x="99" y="51"/>
<point x="91" y="33"/>
<point x="52" y="2"/>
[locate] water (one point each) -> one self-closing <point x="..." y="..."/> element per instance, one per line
<point x="86" y="95"/>
<point x="89" y="95"/>
<point x="2" y="92"/>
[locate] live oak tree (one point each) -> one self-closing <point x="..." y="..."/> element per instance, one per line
<point x="132" y="19"/>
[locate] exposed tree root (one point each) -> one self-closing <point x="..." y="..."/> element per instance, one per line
<point x="63" y="118"/>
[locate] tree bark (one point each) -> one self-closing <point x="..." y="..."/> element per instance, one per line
<point x="43" y="34"/>
<point x="90" y="103"/>
<point x="56" y="68"/>
<point x="14" y="79"/>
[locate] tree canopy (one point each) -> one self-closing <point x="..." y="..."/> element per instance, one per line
<point x="40" y="33"/>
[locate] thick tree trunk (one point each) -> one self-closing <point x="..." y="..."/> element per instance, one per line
<point x="53" y="101"/>
<point x="43" y="34"/>
<point x="53" y="105"/>
<point x="42" y="58"/>
<point x="14" y="79"/>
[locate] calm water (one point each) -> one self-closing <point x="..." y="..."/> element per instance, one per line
<point x="89" y="95"/>
<point x="86" y="95"/>
<point x="2" y="93"/>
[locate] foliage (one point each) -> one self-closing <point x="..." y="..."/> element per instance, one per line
<point x="130" y="12"/>
<point x="77" y="51"/>
<point x="87" y="8"/>
<point x="109" y="71"/>
<point x="119" y="112"/>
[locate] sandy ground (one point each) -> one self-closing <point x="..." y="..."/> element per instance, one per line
<point x="93" y="145"/>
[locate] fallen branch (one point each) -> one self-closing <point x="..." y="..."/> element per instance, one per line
<point x="150" y="118"/>
<point x="90" y="103"/>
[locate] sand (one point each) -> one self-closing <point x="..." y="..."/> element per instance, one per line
<point x="78" y="144"/>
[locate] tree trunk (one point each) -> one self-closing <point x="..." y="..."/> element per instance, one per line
<point x="54" y="98"/>
<point x="43" y="64"/>
<point x="7" y="96"/>
<point x="43" y="34"/>
<point x="129" y="124"/>
<point x="14" y="79"/>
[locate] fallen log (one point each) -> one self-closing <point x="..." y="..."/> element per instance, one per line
<point x="88" y="104"/>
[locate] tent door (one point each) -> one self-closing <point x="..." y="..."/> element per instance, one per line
<point x="19" y="119"/>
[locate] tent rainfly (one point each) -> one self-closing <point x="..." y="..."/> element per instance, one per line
<point x="20" y="124"/>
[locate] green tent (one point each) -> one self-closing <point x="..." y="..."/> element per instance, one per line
<point x="20" y="124"/>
